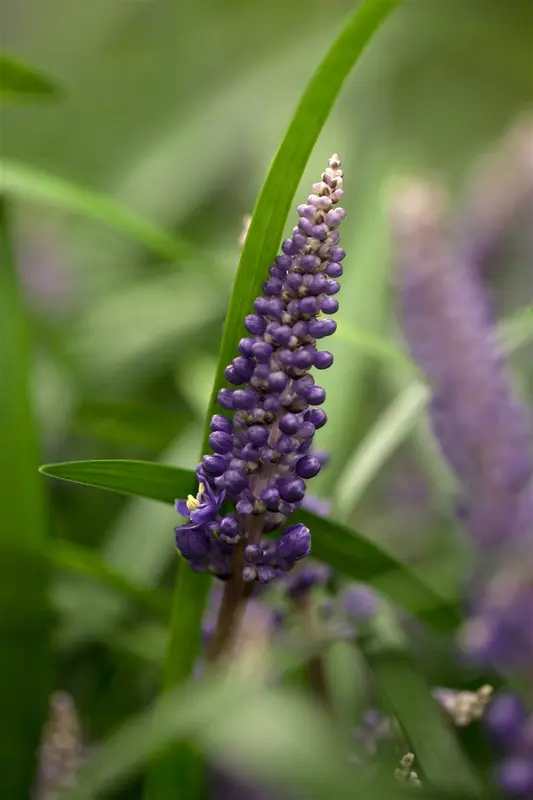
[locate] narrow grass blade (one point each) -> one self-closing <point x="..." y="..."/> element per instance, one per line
<point x="408" y="698"/>
<point x="29" y="183"/>
<point x="20" y="83"/>
<point x="24" y="612"/>
<point x="389" y="431"/>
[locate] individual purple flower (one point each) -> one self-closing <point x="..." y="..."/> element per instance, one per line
<point x="262" y="456"/>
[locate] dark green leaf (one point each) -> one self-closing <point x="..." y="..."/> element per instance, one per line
<point x="429" y="735"/>
<point x="345" y="549"/>
<point x="141" y="478"/>
<point x="23" y="575"/>
<point x="20" y="83"/>
<point x="28" y="183"/>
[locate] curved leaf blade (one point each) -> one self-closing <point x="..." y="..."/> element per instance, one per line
<point x="20" y="83"/>
<point x="347" y="550"/>
<point x="140" y="478"/>
<point x="29" y="183"/>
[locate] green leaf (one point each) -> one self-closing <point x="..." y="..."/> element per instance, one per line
<point x="276" y="737"/>
<point x="370" y="343"/>
<point x="348" y="551"/>
<point x="141" y="478"/>
<point x="20" y="83"/>
<point x="389" y="431"/>
<point x="24" y="614"/>
<point x="430" y="736"/>
<point x="82" y="561"/>
<point x="29" y="183"/>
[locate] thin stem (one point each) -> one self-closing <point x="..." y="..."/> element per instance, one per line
<point x="231" y="611"/>
<point x="315" y="663"/>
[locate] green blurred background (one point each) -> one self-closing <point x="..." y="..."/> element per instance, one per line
<point x="175" y="109"/>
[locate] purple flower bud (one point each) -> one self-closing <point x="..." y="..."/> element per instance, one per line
<point x="214" y="465"/>
<point x="265" y="574"/>
<point x="323" y="360"/>
<point x="254" y="324"/>
<point x="306" y="430"/>
<point x="308" y="305"/>
<point x="329" y="305"/>
<point x="284" y="263"/>
<point x="257" y="434"/>
<point x="268" y="454"/>
<point x="245" y="346"/>
<point x="286" y="444"/>
<point x="243" y="367"/>
<point x="283" y="334"/>
<point x="319" y="328"/>
<point x="243" y="398"/>
<point x="308" y="467"/>
<point x="291" y="489"/>
<point x="270" y="498"/>
<point x="272" y="404"/>
<point x="317" y="416"/>
<point x="221" y="442"/>
<point x="220" y="423"/>
<point x="289" y="424"/>
<point x="306" y="226"/>
<point x="250" y="453"/>
<point x="315" y="395"/>
<point x="229" y="526"/>
<point x="277" y="381"/>
<point x="225" y="398"/>
<point x="294" y="544"/>
<point x="318" y="284"/>
<point x="361" y="603"/>
<point x="505" y="717"/>
<point x="272" y="286"/>
<point x="253" y="553"/>
<point x="299" y="331"/>
<point x="334" y="270"/>
<point x="232" y="377"/>
<point x="303" y="358"/>
<point x="336" y="254"/>
<point x="191" y="542"/>
<point x="332" y="287"/>
<point x="294" y="280"/>
<point x="285" y="357"/>
<point x="308" y="263"/>
<point x="244" y="506"/>
<point x="262" y="352"/>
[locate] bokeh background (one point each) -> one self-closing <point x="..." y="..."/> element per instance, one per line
<point x="176" y="109"/>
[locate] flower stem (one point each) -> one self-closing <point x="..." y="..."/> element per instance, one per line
<point x="231" y="611"/>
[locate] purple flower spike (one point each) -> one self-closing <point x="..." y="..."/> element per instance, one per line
<point x="262" y="455"/>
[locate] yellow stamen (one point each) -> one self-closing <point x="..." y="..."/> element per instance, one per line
<point x="192" y="503"/>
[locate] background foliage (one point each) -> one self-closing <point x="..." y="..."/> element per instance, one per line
<point x="126" y="173"/>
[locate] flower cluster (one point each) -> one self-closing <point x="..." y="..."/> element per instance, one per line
<point x="262" y="456"/>
<point x="482" y="430"/>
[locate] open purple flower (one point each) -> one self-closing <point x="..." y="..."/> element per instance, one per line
<point x="262" y="455"/>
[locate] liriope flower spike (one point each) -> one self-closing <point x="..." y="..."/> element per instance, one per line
<point x="262" y="455"/>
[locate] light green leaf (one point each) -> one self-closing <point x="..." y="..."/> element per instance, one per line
<point x="20" y="83"/>
<point x="389" y="431"/>
<point x="31" y="184"/>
